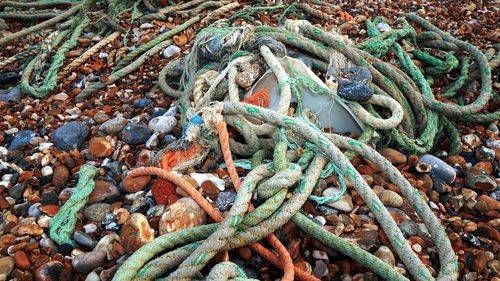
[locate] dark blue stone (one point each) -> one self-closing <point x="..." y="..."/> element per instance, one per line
<point x="354" y="91"/>
<point x="225" y="200"/>
<point x="8" y="77"/>
<point x="135" y="134"/>
<point x="157" y="112"/>
<point x="142" y="102"/>
<point x="353" y="83"/>
<point x="21" y="139"/>
<point x="14" y="94"/>
<point x="168" y="139"/>
<point x="70" y="136"/>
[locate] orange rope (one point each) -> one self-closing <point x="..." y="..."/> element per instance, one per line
<point x="216" y="216"/>
<point x="286" y="261"/>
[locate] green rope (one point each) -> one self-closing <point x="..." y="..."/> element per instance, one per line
<point x="464" y="74"/>
<point x="63" y="223"/>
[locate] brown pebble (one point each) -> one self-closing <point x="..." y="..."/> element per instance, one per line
<point x="135" y="232"/>
<point x="100" y="147"/>
<point x="21" y="260"/>
<point x="60" y="176"/>
<point x="245" y="253"/>
<point x="182" y="214"/>
<point x="134" y="184"/>
<point x="394" y="156"/>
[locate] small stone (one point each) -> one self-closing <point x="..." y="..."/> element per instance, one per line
<point x="86" y="262"/>
<point x="416" y="248"/>
<point x="100" y="118"/>
<point x="14" y="94"/>
<point x="479" y="263"/>
<point x="47" y="171"/>
<point x="61" y="96"/>
<point x="97" y="212"/>
<point x="320" y="269"/>
<point x="161" y="189"/>
<point x="366" y="239"/>
<point x="320" y="255"/>
<point x="472" y="140"/>
<point x="90" y="228"/>
<point x="83" y="239"/>
<point x="494" y="265"/>
<point x="100" y="147"/>
<point x="6" y="266"/>
<point x="391" y="198"/>
<point x="394" y="156"/>
<point x="49" y="197"/>
<point x="244" y="253"/>
<point x="106" y="244"/>
<point x="27" y="229"/>
<point x="60" y="176"/>
<point x="485" y="154"/>
<point x="384" y="253"/>
<point x="49" y="271"/>
<point x="470" y="227"/>
<point x="344" y="204"/>
<point x="93" y="276"/>
<point x="104" y="192"/>
<point x="163" y="124"/>
<point x="478" y="179"/>
<point x="210" y="189"/>
<point x="486" y="203"/>
<point x="134" y="184"/>
<point x="114" y="125"/>
<point x="440" y="169"/>
<point x="468" y="194"/>
<point x="146" y="25"/>
<point x="21" y="139"/>
<point x="135" y="134"/>
<point x="184" y="213"/>
<point x="21" y="260"/>
<point x="225" y="200"/>
<point x="136" y="232"/>
<point x="484" y="230"/>
<point x="70" y="136"/>
<point x="170" y="51"/>
<point x="142" y="102"/>
<point x="17" y="190"/>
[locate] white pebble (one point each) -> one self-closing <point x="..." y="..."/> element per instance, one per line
<point x="417" y="248"/>
<point x="47" y="171"/>
<point x="90" y="228"/>
<point x="321" y="220"/>
<point x="45" y="146"/>
<point x="201" y="178"/>
<point x="146" y="25"/>
<point x="3" y="151"/>
<point x="11" y="131"/>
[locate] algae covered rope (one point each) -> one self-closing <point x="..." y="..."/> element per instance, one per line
<point x="29" y="15"/>
<point x="37" y="4"/>
<point x="63" y="223"/>
<point x="121" y="73"/>
<point x="157" y="40"/>
<point x="418" y="270"/>
<point x="86" y="55"/>
<point x="50" y="81"/>
<point x="486" y="90"/>
<point x="48" y="23"/>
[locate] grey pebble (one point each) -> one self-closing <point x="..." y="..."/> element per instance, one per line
<point x="97" y="212"/>
<point x="87" y="262"/>
<point x="83" y="239"/>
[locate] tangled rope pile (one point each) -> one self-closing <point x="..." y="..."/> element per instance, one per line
<point x="287" y="150"/>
